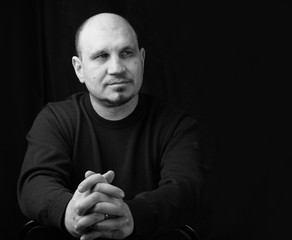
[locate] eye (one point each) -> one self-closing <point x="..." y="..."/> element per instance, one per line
<point x="126" y="54"/>
<point x="102" y="56"/>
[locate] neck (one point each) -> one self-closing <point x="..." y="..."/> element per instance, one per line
<point x="114" y="113"/>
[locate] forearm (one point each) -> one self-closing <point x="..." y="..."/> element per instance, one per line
<point x="171" y="205"/>
<point x="44" y="183"/>
<point x="43" y="200"/>
<point x="176" y="200"/>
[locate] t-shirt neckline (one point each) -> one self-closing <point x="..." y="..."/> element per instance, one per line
<point x="137" y="113"/>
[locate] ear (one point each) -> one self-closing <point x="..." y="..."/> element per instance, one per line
<point x="142" y="54"/>
<point x="77" y="64"/>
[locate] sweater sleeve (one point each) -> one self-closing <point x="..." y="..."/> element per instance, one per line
<point x="177" y="199"/>
<point x="43" y="186"/>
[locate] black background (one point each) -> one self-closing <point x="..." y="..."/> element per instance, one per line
<point x="227" y="65"/>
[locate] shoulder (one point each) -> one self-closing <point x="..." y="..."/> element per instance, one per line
<point x="62" y="112"/>
<point x="57" y="120"/>
<point x="166" y="115"/>
<point x="67" y="106"/>
<point x="164" y="109"/>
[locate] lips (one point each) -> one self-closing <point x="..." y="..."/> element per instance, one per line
<point x="126" y="81"/>
<point x="119" y="83"/>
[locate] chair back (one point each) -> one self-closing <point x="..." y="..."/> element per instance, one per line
<point x="33" y="231"/>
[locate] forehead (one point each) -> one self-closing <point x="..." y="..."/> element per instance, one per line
<point x="107" y="33"/>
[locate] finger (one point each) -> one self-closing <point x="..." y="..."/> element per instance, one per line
<point x="91" y="235"/>
<point x="110" y="224"/>
<point x="89" y="173"/>
<point x="88" y="220"/>
<point x="108" y="208"/>
<point x="83" y="206"/>
<point x="109" y="175"/>
<point x="90" y="181"/>
<point x="116" y="234"/>
<point x="109" y="189"/>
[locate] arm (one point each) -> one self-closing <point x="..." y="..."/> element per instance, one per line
<point x="43" y="186"/>
<point x="176" y="200"/>
<point x="45" y="190"/>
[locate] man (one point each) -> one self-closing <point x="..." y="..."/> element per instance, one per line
<point x="138" y="155"/>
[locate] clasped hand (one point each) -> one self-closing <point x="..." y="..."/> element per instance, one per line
<point x="94" y="198"/>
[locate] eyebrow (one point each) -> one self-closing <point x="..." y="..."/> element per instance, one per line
<point x="131" y="47"/>
<point x="97" y="53"/>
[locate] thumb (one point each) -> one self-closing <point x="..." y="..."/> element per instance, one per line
<point x="109" y="176"/>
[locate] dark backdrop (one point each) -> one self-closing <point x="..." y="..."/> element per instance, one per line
<point x="226" y="65"/>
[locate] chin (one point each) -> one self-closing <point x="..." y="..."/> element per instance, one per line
<point x="117" y="101"/>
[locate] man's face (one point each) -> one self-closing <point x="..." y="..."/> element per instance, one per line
<point x="111" y="64"/>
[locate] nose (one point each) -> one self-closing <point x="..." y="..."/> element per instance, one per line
<point x="115" y="66"/>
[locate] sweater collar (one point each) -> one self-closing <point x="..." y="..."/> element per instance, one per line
<point x="136" y="114"/>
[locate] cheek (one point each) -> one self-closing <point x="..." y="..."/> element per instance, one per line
<point x="137" y="67"/>
<point x="96" y="77"/>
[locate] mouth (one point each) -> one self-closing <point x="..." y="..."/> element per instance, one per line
<point x="118" y="83"/>
<point x="124" y="82"/>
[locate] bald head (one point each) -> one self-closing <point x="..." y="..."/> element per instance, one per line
<point x="102" y="22"/>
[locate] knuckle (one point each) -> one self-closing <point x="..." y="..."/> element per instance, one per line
<point x="97" y="187"/>
<point x="97" y="207"/>
<point x="97" y="216"/>
<point x="120" y="204"/>
<point x="96" y="196"/>
<point x="77" y="228"/>
<point x="98" y="177"/>
<point x="121" y="212"/>
<point x="124" y="223"/>
<point x="78" y="210"/>
<point x="95" y="227"/>
<point x="119" y="235"/>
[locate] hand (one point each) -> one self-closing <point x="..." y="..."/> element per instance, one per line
<point x="78" y="218"/>
<point x="119" y="226"/>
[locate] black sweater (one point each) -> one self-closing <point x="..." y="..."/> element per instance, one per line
<point x="153" y="152"/>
